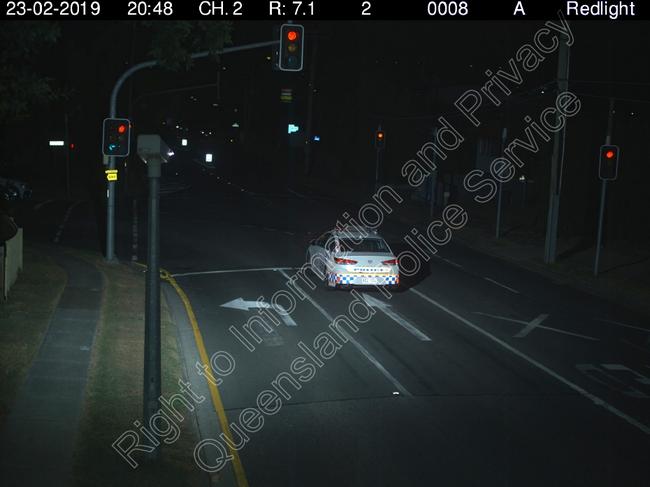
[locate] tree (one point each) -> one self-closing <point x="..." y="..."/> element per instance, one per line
<point x="21" y="85"/>
<point x="172" y="43"/>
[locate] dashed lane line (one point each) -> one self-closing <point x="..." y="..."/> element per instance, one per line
<point x="378" y="365"/>
<point x="501" y="285"/>
<point x="595" y="399"/>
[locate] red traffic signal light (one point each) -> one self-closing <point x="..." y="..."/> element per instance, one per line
<point x="116" y="137"/>
<point x="291" y="52"/>
<point x="608" y="162"/>
<point x="380" y="139"/>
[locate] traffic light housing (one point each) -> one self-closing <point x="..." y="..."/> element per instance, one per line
<point x="291" y="51"/>
<point x="116" y="139"/>
<point x="380" y="139"/>
<point x="608" y="162"/>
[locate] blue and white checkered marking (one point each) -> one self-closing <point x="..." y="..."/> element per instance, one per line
<point x="354" y="279"/>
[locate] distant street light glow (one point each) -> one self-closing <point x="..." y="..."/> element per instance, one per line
<point x="57" y="143"/>
<point x="184" y="142"/>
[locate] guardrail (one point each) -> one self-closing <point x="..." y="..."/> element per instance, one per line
<point x="11" y="261"/>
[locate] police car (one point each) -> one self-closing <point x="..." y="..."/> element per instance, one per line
<point x="353" y="256"/>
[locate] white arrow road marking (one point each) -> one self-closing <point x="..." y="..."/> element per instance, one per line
<point x="243" y="305"/>
<point x="535" y="324"/>
<point x="396" y="317"/>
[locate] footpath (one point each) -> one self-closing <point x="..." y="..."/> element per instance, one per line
<point x="71" y="352"/>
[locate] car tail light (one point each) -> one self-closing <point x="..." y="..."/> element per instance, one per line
<point x="340" y="260"/>
<point x="390" y="262"/>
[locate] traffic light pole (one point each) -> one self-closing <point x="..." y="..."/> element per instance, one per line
<point x="378" y="148"/>
<point x="433" y="179"/>
<point x="557" y="161"/>
<point x="497" y="232"/>
<point x="110" y="189"/>
<point x="603" y="189"/>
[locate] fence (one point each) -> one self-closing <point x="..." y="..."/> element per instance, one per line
<point x="11" y="261"/>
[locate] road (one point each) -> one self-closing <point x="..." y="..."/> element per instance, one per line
<point x="476" y="373"/>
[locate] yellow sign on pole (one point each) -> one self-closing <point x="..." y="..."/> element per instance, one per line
<point x="111" y="174"/>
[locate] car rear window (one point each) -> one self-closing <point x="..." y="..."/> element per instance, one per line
<point x="365" y="245"/>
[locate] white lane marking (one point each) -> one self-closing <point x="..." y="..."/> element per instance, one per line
<point x="243" y="305"/>
<point x="635" y="346"/>
<point x="501" y="285"/>
<point x="564" y="332"/>
<point x="231" y="271"/>
<point x="40" y="205"/>
<point x="448" y="261"/>
<point x="134" y="231"/>
<point x="642" y="379"/>
<point x="66" y="217"/>
<point x="299" y="195"/>
<point x="530" y="326"/>
<point x="396" y="317"/>
<point x="625" y="325"/>
<point x="504" y="318"/>
<point x="526" y="323"/>
<point x="355" y="343"/>
<point x="595" y="399"/>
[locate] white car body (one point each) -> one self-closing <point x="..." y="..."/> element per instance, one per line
<point x="353" y="256"/>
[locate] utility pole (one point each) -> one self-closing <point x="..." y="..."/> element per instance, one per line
<point x="557" y="162"/>
<point x="603" y="188"/>
<point x="378" y="160"/>
<point x="67" y="155"/>
<point x="497" y="233"/>
<point x="310" y="107"/>
<point x="152" y="387"/>
<point x="433" y="179"/>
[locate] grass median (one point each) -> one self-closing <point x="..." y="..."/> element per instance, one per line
<point x="114" y="392"/>
<point x="24" y="318"/>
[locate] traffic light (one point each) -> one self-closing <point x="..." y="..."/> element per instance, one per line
<point x="608" y="162"/>
<point x="291" y="47"/>
<point x="380" y="139"/>
<point x="116" y="137"/>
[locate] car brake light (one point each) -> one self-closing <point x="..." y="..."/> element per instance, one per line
<point x="390" y="262"/>
<point x="340" y="260"/>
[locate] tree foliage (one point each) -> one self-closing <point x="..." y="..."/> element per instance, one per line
<point x="172" y="43"/>
<point x="21" y="85"/>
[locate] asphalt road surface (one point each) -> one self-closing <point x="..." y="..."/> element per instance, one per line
<point x="475" y="373"/>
